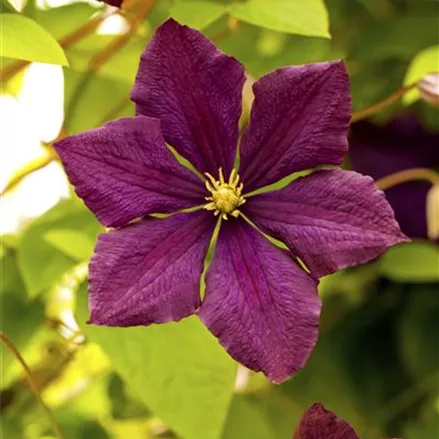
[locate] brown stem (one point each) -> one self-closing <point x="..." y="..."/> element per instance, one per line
<point x="375" y="108"/>
<point x="406" y="176"/>
<point x="8" y="343"/>
<point x="115" y="45"/>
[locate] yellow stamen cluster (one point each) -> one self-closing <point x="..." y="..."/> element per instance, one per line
<point x="226" y="197"/>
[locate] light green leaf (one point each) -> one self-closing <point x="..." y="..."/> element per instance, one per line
<point x="197" y="13"/>
<point x="303" y="17"/>
<point x="23" y="38"/>
<point x="416" y="261"/>
<point x="73" y="243"/>
<point x="426" y="61"/>
<point x="41" y="263"/>
<point x="246" y="420"/>
<point x="179" y="371"/>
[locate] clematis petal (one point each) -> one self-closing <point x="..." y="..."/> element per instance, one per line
<point x="124" y="170"/>
<point x="116" y="3"/>
<point x="299" y="120"/>
<point x="149" y="272"/>
<point x="260" y="304"/>
<point x="195" y="90"/>
<point x="331" y="219"/>
<point x="319" y="423"/>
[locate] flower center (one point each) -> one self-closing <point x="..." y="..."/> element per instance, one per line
<point x="225" y="197"/>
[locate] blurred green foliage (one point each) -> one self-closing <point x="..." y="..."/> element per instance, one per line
<point x="376" y="363"/>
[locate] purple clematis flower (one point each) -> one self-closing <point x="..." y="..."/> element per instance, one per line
<point x="401" y="144"/>
<point x="263" y="307"/>
<point x="116" y="3"/>
<point x="319" y="423"/>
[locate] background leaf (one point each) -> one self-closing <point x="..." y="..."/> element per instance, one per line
<point x="197" y="13"/>
<point x="178" y="370"/>
<point x="426" y="61"/>
<point x="411" y="262"/>
<point x="23" y="38"/>
<point x="303" y="17"/>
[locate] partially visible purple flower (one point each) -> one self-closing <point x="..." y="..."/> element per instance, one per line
<point x="259" y="302"/>
<point x="116" y="3"/>
<point x="319" y="423"/>
<point x="402" y="144"/>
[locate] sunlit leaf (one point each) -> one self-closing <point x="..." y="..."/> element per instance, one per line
<point x="23" y="38"/>
<point x="426" y="61"/>
<point x="73" y="243"/>
<point x="411" y="262"/>
<point x="197" y="13"/>
<point x="179" y="371"/>
<point x="304" y="17"/>
<point x="42" y="264"/>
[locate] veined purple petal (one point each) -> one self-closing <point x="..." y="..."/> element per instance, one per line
<point x="124" y="170"/>
<point x="299" y="120"/>
<point x="319" y="423"/>
<point x="331" y="219"/>
<point x="116" y="3"/>
<point x="260" y="304"/>
<point x="149" y="272"/>
<point x="195" y="90"/>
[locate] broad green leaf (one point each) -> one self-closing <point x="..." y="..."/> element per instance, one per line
<point x="61" y="21"/>
<point x="41" y="264"/>
<point x="416" y="261"/>
<point x="426" y="61"/>
<point x="20" y="318"/>
<point x="92" y="104"/>
<point x="23" y="38"/>
<point x="73" y="243"/>
<point x="418" y="330"/>
<point x="178" y="370"/>
<point x="246" y="420"/>
<point x="303" y="17"/>
<point x="197" y="13"/>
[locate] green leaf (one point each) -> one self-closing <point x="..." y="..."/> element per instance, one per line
<point x="20" y="317"/>
<point x="418" y="330"/>
<point x="41" y="263"/>
<point x="178" y="370"/>
<point x="197" y="13"/>
<point x="23" y="38"/>
<point x="426" y="61"/>
<point x="71" y="242"/>
<point x="6" y="6"/>
<point x="246" y="420"/>
<point x="416" y="261"/>
<point x="61" y="21"/>
<point x="303" y="17"/>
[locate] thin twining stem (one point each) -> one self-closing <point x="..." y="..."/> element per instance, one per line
<point x="375" y="108"/>
<point x="8" y="343"/>
<point x="406" y="176"/>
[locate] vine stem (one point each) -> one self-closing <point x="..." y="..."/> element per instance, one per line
<point x="375" y="108"/>
<point x="406" y="176"/>
<point x="8" y="343"/>
<point x="101" y="57"/>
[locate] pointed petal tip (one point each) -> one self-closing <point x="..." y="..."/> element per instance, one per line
<point x="247" y="284"/>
